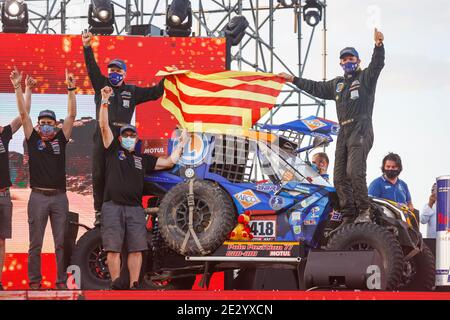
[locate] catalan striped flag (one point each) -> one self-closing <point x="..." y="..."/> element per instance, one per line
<point x="220" y="102"/>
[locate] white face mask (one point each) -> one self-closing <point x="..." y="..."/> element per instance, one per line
<point x="128" y="143"/>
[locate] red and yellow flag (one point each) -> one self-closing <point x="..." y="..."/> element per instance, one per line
<point x="220" y="102"/>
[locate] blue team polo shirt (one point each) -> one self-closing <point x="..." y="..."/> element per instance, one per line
<point x="382" y="188"/>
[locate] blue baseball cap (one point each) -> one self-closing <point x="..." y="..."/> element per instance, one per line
<point x="128" y="127"/>
<point x="118" y="63"/>
<point x="348" y="51"/>
<point x="47" y="114"/>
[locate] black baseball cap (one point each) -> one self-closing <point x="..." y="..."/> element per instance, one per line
<point x="118" y="63"/>
<point x="47" y="114"/>
<point x="348" y="51"/>
<point x="128" y="127"/>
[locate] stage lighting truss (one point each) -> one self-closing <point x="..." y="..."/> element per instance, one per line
<point x="312" y="12"/>
<point x="101" y="17"/>
<point x="15" y="16"/>
<point x="179" y="18"/>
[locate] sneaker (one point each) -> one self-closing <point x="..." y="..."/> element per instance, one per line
<point x="35" y="286"/>
<point x="364" y="217"/>
<point x="115" y="285"/>
<point x="135" y="286"/>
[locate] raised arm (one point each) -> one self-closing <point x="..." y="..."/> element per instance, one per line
<point x="96" y="76"/>
<point x="149" y="93"/>
<point x="107" y="134"/>
<point x="16" y="79"/>
<point x="71" y="105"/>
<point x="373" y="70"/>
<point x="169" y="161"/>
<point x="30" y="84"/>
<point x="319" y="89"/>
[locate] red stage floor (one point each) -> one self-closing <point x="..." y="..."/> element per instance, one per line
<point x="220" y="295"/>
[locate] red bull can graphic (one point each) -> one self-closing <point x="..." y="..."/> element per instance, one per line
<point x="443" y="231"/>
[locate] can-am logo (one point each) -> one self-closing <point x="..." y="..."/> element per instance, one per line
<point x="247" y="198"/>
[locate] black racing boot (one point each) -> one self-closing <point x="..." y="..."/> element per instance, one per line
<point x="116" y="285"/>
<point x="363" y="217"/>
<point x="135" y="286"/>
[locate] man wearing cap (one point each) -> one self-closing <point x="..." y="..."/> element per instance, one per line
<point x="123" y="101"/>
<point x="46" y="149"/>
<point x="354" y="94"/>
<point x="6" y="134"/>
<point x="122" y="218"/>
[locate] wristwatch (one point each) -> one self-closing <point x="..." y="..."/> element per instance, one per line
<point x="105" y="101"/>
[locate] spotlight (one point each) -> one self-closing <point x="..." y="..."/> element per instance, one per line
<point x="101" y="17"/>
<point x="312" y="12"/>
<point x="15" y="16"/>
<point x="288" y="4"/>
<point x="235" y="30"/>
<point x="179" y="18"/>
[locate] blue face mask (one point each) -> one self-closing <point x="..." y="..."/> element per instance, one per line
<point x="128" y="143"/>
<point x="350" y="67"/>
<point x="314" y="166"/>
<point x="115" y="78"/>
<point x="47" y="131"/>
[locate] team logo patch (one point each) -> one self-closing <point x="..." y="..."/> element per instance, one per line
<point x="55" y="146"/>
<point x="122" y="155"/>
<point x="336" y="216"/>
<point x="126" y="103"/>
<point x="2" y="147"/>
<point x="276" y="203"/>
<point x="310" y="222"/>
<point x="138" y="162"/>
<point x="247" y="198"/>
<point x="40" y="145"/>
<point x="315" y="212"/>
<point x="314" y="124"/>
<point x="267" y="187"/>
<point x="339" y="87"/>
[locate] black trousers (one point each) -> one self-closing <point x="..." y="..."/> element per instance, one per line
<point x="98" y="172"/>
<point x="353" y="145"/>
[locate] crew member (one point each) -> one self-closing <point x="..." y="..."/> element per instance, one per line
<point x="123" y="101"/>
<point x="47" y="148"/>
<point x="321" y="162"/>
<point x="122" y="218"/>
<point x="354" y="94"/>
<point x="6" y="134"/>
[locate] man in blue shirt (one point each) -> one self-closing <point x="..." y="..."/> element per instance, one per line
<point x="389" y="186"/>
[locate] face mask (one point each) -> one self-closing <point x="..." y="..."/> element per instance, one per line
<point x="115" y="78"/>
<point x="314" y="166"/>
<point x="350" y="67"/>
<point x="128" y="143"/>
<point x="391" y="174"/>
<point x="47" y="132"/>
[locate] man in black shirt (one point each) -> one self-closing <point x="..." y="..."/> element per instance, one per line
<point x="46" y="148"/>
<point x="123" y="101"/>
<point x="6" y="134"/>
<point x="354" y="94"/>
<point x="122" y="218"/>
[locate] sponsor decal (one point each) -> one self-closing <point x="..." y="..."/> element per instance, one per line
<point x="334" y="129"/>
<point x="155" y="147"/>
<point x="263" y="230"/>
<point x="196" y="150"/>
<point x="442" y="272"/>
<point x="122" y="155"/>
<point x="297" y="229"/>
<point x="40" y="145"/>
<point x="296" y="216"/>
<point x="310" y="222"/>
<point x="247" y="198"/>
<point x="287" y="176"/>
<point x="302" y="189"/>
<point x="55" y="146"/>
<point x="138" y="162"/>
<point x="126" y="103"/>
<point x="276" y="202"/>
<point x="189" y="173"/>
<point x="354" y="94"/>
<point x="267" y="187"/>
<point x="277" y="249"/>
<point x="309" y="201"/>
<point x="339" y="87"/>
<point x="315" y="212"/>
<point x="336" y="216"/>
<point x="314" y="124"/>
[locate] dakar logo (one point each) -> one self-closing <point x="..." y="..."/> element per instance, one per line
<point x="196" y="150"/>
<point x="247" y="198"/>
<point x="314" y="124"/>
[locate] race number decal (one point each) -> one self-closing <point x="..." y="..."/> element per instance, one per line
<point x="263" y="230"/>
